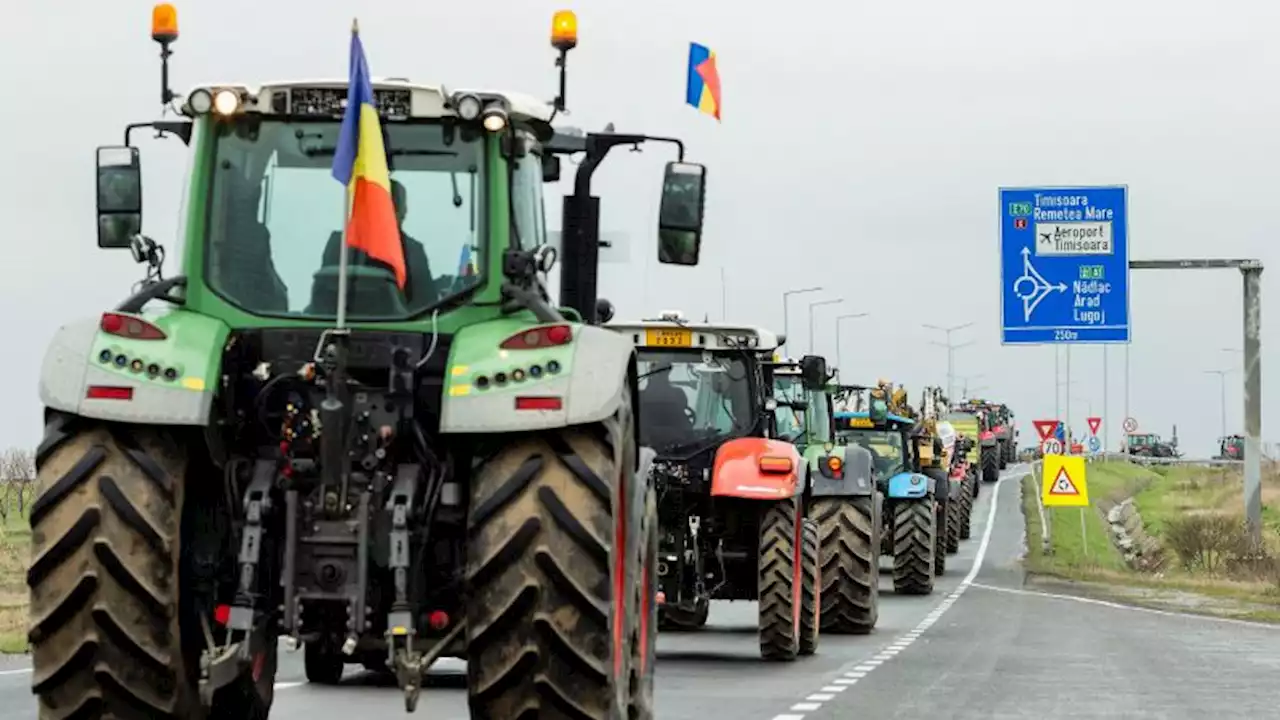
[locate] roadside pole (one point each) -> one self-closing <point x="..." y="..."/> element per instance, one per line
<point x="1251" y="271"/>
<point x="1106" y="417"/>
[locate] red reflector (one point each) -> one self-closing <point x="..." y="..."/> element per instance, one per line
<point x="222" y="614"/>
<point x="538" y="337"/>
<point x="539" y="403"/>
<point x="107" y="392"/>
<point x="128" y="326"/>
<point x="438" y="620"/>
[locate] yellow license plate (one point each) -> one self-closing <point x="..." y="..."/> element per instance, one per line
<point x="669" y="338"/>
<point x="861" y="423"/>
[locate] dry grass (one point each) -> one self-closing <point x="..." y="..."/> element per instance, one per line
<point x="15" y="548"/>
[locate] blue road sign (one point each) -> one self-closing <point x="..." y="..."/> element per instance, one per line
<point x="1094" y="443"/>
<point x="1064" y="265"/>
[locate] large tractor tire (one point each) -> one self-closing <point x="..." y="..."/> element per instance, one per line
<point x="849" y="542"/>
<point x="1003" y="454"/>
<point x="780" y="574"/>
<point x="954" y="521"/>
<point x="990" y="464"/>
<point x="548" y="622"/>
<point x="114" y="629"/>
<point x="644" y="639"/>
<point x="967" y="492"/>
<point x="915" y="529"/>
<point x="811" y="590"/>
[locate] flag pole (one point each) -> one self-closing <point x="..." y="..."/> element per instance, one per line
<point x="346" y="216"/>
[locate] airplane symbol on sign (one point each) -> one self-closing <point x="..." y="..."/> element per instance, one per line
<point x="1044" y="237"/>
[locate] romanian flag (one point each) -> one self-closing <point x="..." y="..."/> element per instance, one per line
<point x="703" y="88"/>
<point x="466" y="265"/>
<point x="360" y="163"/>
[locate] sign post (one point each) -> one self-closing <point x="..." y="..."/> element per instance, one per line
<point x="1063" y="484"/>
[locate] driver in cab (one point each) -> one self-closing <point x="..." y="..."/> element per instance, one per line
<point x="665" y="409"/>
<point x="420" y="289"/>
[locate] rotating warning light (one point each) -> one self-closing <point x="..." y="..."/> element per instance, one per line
<point x="164" y="23"/>
<point x="564" y="30"/>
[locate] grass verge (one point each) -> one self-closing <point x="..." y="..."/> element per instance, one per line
<point x="1091" y="564"/>
<point x="15" y="554"/>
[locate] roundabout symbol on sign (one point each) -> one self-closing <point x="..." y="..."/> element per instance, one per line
<point x="1130" y="425"/>
<point x="1094" y="443"/>
<point x="1052" y="446"/>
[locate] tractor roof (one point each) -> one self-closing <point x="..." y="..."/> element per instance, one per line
<point x="423" y="101"/>
<point x="675" y="335"/>
<point x="846" y="418"/>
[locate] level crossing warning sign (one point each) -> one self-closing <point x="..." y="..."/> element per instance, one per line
<point x="1063" y="482"/>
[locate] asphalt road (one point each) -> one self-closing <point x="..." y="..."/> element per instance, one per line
<point x="979" y="647"/>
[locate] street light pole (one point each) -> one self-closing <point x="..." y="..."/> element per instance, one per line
<point x="839" y="319"/>
<point x="813" y="305"/>
<point x="1222" y="381"/>
<point x="951" y="352"/>
<point x="786" y="316"/>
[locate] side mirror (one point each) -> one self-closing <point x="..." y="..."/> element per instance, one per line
<point x="119" y="196"/>
<point x="550" y="168"/>
<point x="604" y="310"/>
<point x="813" y="372"/>
<point x="680" y="214"/>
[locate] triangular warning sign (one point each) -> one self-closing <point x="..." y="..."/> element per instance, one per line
<point x="1045" y="427"/>
<point x="1062" y="484"/>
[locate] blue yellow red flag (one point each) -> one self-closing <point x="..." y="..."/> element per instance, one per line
<point x="466" y="264"/>
<point x="360" y="163"/>
<point x="703" y="88"/>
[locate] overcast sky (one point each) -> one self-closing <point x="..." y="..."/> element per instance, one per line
<point x="869" y="138"/>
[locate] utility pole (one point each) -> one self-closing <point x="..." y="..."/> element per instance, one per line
<point x="813" y="305"/>
<point x="1106" y="420"/>
<point x="840" y="319"/>
<point x="786" y="317"/>
<point x="951" y="352"/>
<point x="724" y="296"/>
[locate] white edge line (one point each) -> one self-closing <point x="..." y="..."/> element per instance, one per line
<point x="866" y="666"/>
<point x="1122" y="606"/>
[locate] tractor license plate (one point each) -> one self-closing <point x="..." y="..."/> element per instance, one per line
<point x="669" y="338"/>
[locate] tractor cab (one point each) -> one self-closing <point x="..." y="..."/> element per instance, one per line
<point x="885" y="435"/>
<point x="802" y="402"/>
<point x="699" y="385"/>
<point x="1231" y="447"/>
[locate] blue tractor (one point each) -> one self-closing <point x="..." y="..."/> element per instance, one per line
<point x="912" y="494"/>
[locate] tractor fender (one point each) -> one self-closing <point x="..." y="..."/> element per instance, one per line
<point x="591" y="379"/>
<point x="736" y="472"/>
<point x="854" y="479"/>
<point x="82" y="358"/>
<point x="909" y="486"/>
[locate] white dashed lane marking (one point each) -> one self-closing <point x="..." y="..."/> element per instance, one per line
<point x="851" y="677"/>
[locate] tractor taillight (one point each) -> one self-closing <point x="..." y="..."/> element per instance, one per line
<point x="222" y="614"/>
<point x="539" y="337"/>
<point x="775" y="465"/>
<point x="128" y="326"/>
<point x="108" y="392"/>
<point x="539" y="403"/>
<point x="438" y="620"/>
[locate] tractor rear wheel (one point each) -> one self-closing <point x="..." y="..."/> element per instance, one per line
<point x="644" y="638"/>
<point x="954" y="521"/>
<point x="547" y="621"/>
<point x="941" y="517"/>
<point x="915" y="530"/>
<point x="1002" y="454"/>
<point x="811" y="590"/>
<point x="780" y="580"/>
<point x="990" y="464"/>
<point x="849" y="543"/>
<point x="114" y="624"/>
<point x="967" y="492"/>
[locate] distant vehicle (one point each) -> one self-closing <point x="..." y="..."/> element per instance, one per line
<point x="1230" y="447"/>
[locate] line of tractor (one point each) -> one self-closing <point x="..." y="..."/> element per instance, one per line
<point x="303" y="440"/>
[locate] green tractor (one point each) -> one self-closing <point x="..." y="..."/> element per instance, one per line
<point x="845" y="502"/>
<point x="283" y="443"/>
